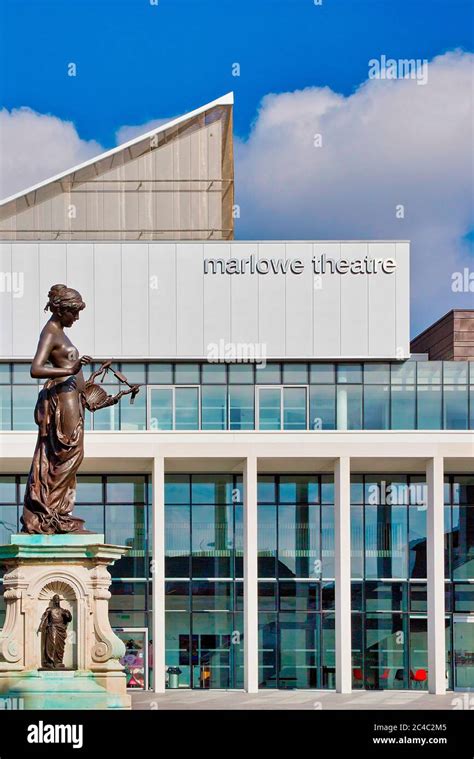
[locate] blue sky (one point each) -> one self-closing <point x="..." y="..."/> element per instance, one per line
<point x="303" y="71"/>
<point x="137" y="61"/>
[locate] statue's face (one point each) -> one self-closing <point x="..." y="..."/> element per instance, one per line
<point x="56" y="600"/>
<point x="68" y="316"/>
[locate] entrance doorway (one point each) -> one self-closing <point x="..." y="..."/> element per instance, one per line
<point x="463" y="646"/>
<point x="135" y="659"/>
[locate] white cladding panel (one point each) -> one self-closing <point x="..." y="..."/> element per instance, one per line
<point x="153" y="300"/>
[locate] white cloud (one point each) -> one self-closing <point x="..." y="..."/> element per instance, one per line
<point x="35" y="146"/>
<point x="392" y="142"/>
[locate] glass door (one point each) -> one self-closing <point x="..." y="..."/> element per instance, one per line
<point x="463" y="645"/>
<point x="135" y="659"/>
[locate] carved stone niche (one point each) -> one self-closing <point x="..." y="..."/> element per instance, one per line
<point x="75" y="568"/>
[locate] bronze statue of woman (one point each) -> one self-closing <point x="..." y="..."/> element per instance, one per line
<point x="59" y="414"/>
<point x="53" y="626"/>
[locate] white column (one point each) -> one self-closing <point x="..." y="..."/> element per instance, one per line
<point x="435" y="575"/>
<point x="342" y="506"/>
<point x="158" y="575"/>
<point x="250" y="576"/>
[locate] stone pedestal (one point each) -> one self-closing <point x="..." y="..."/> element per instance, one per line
<point x="75" y="568"/>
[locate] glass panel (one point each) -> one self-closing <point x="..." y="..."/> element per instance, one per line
<point x="322" y="414"/>
<point x="7" y="489"/>
<point x="267" y="541"/>
<point x="133" y="415"/>
<point x="89" y="489"/>
<point x="403" y="407"/>
<point x="418" y="653"/>
<point x="160" y="374"/>
<point x="417" y="539"/>
<point x="241" y="402"/>
<point x="463" y="653"/>
<point x="357" y="541"/>
<point x="127" y="488"/>
<point x="187" y="408"/>
<point x="455" y="407"/>
<point x="5" y="374"/>
<point x="471" y="406"/>
<point x="294" y="408"/>
<point x="322" y="373"/>
<point x="181" y="649"/>
<point x="403" y="373"/>
<point x="429" y="372"/>
<point x="298" y="541"/>
<point x="177" y="596"/>
<point x="211" y="596"/>
<point x="93" y="516"/>
<point x="327" y="541"/>
<point x="376" y="407"/>
<point x="455" y="372"/>
<point x="24" y="402"/>
<point x="376" y="374"/>
<point x="214" y="374"/>
<point x="186" y="374"/>
<point x="126" y="526"/>
<point x="21" y="375"/>
<point x="267" y="650"/>
<point x="357" y="651"/>
<point x="385" y="651"/>
<point x="214" y="407"/>
<point x="350" y="373"/>
<point x="5" y="407"/>
<point x="328" y="652"/>
<point x="212" y="489"/>
<point x="298" y="596"/>
<point x="241" y="374"/>
<point x="266" y="488"/>
<point x="177" y="541"/>
<point x="299" y="636"/>
<point x="161" y="408"/>
<point x="212" y="541"/>
<point x="299" y="489"/>
<point x="295" y="374"/>
<point x="386" y="541"/>
<point x="108" y="418"/>
<point x="463" y="542"/>
<point x="463" y="489"/>
<point x="134" y="659"/>
<point x="267" y="596"/>
<point x="213" y="631"/>
<point x="429" y="407"/>
<point x="464" y="597"/>
<point x="268" y="375"/>
<point x="418" y="597"/>
<point x="385" y="596"/>
<point x="8" y="524"/>
<point x="349" y="407"/>
<point x="177" y="488"/>
<point x="135" y="373"/>
<point x="269" y="408"/>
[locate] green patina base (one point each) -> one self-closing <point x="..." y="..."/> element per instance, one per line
<point x="59" y="690"/>
<point x="74" y="559"/>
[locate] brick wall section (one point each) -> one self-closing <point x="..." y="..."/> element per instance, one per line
<point x="451" y="338"/>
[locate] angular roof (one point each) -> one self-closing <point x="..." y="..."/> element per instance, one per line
<point x="110" y="173"/>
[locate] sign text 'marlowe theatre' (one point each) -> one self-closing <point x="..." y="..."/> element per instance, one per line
<point x="333" y="300"/>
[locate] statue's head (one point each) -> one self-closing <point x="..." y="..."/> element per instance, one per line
<point x="65" y="303"/>
<point x="56" y="600"/>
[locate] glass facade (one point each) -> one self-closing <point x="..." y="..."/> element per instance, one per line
<point x="280" y="396"/>
<point x="204" y="550"/>
<point x="204" y="579"/>
<point x="296" y="621"/>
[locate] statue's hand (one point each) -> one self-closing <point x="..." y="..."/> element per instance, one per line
<point x="77" y="365"/>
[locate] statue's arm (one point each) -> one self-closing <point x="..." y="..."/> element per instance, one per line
<point x="44" y="621"/>
<point x="39" y="369"/>
<point x="67" y="616"/>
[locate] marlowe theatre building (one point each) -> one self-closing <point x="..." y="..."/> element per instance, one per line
<point x="294" y="482"/>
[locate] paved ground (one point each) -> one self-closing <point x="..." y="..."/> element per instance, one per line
<point x="194" y="699"/>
